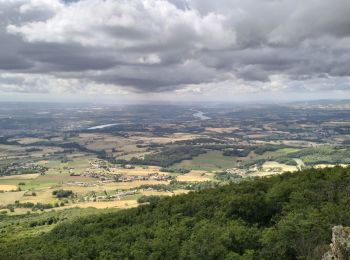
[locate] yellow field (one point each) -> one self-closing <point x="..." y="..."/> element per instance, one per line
<point x="180" y="191"/>
<point x="221" y="129"/>
<point x="21" y="177"/>
<point x="322" y="166"/>
<point x="138" y="171"/>
<point x="105" y="204"/>
<point x="195" y="176"/>
<point x="10" y="197"/>
<point x="7" y="187"/>
<point x="163" y="193"/>
<point x="263" y="174"/>
<point x="42" y="196"/>
<point x="271" y="165"/>
<point x="156" y="193"/>
<point x="135" y="184"/>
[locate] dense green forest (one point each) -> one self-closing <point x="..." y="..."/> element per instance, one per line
<point x="289" y="216"/>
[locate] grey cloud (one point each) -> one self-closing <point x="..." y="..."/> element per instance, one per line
<point x="13" y="63"/>
<point x="157" y="79"/>
<point x="154" y="46"/>
<point x="252" y="73"/>
<point x="67" y="57"/>
<point x="313" y="19"/>
<point x="10" y="58"/>
<point x="124" y="32"/>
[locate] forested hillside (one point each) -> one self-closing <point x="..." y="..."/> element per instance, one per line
<point x="283" y="217"/>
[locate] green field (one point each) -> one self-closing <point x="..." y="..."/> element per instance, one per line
<point x="288" y="150"/>
<point x="213" y="160"/>
<point x="323" y="154"/>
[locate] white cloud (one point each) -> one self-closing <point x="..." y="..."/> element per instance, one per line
<point x="41" y="6"/>
<point x="118" y="23"/>
<point x="150" y="59"/>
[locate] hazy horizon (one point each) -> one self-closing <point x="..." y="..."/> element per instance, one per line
<point x="181" y="102"/>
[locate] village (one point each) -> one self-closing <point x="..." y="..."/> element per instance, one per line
<point x="21" y="168"/>
<point x="99" y="170"/>
<point x="119" y="195"/>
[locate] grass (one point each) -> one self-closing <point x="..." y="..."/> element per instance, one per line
<point x="15" y="227"/>
<point x="37" y="183"/>
<point x="10" y="197"/>
<point x="42" y="196"/>
<point x="324" y="155"/>
<point x="195" y="176"/>
<point x="212" y="160"/>
<point x="283" y="167"/>
<point x="289" y="150"/>
<point x="51" y="163"/>
<point x="121" y="204"/>
<point x="132" y="197"/>
<point x="7" y="187"/>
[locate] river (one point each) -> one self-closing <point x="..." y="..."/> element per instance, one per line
<point x="201" y="116"/>
<point x="101" y="126"/>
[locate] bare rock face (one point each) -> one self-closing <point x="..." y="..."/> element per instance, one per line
<point x="340" y="246"/>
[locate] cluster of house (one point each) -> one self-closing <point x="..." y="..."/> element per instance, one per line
<point x="82" y="184"/>
<point x="238" y="171"/>
<point x="97" y="163"/>
<point x="152" y="176"/>
<point x="21" y="168"/>
<point x="117" y="196"/>
<point x="107" y="177"/>
<point x="98" y="169"/>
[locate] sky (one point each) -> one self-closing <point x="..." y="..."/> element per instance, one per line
<point x="174" y="50"/>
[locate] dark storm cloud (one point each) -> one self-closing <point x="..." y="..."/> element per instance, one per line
<point x="158" y="78"/>
<point x="67" y="57"/>
<point x="155" y="45"/>
<point x="13" y="63"/>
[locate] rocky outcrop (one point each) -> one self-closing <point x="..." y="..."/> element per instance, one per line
<point x="340" y="246"/>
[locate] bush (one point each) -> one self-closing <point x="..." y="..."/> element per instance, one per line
<point x="174" y="170"/>
<point x="149" y="199"/>
<point x="62" y="193"/>
<point x="225" y="176"/>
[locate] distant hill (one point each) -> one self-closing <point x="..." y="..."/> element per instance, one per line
<point x="289" y="216"/>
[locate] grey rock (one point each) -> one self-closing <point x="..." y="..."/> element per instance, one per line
<point x="340" y="246"/>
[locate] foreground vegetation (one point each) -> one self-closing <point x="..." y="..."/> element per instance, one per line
<point x="282" y="217"/>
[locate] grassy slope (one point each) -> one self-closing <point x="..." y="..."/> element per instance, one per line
<point x="31" y="225"/>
